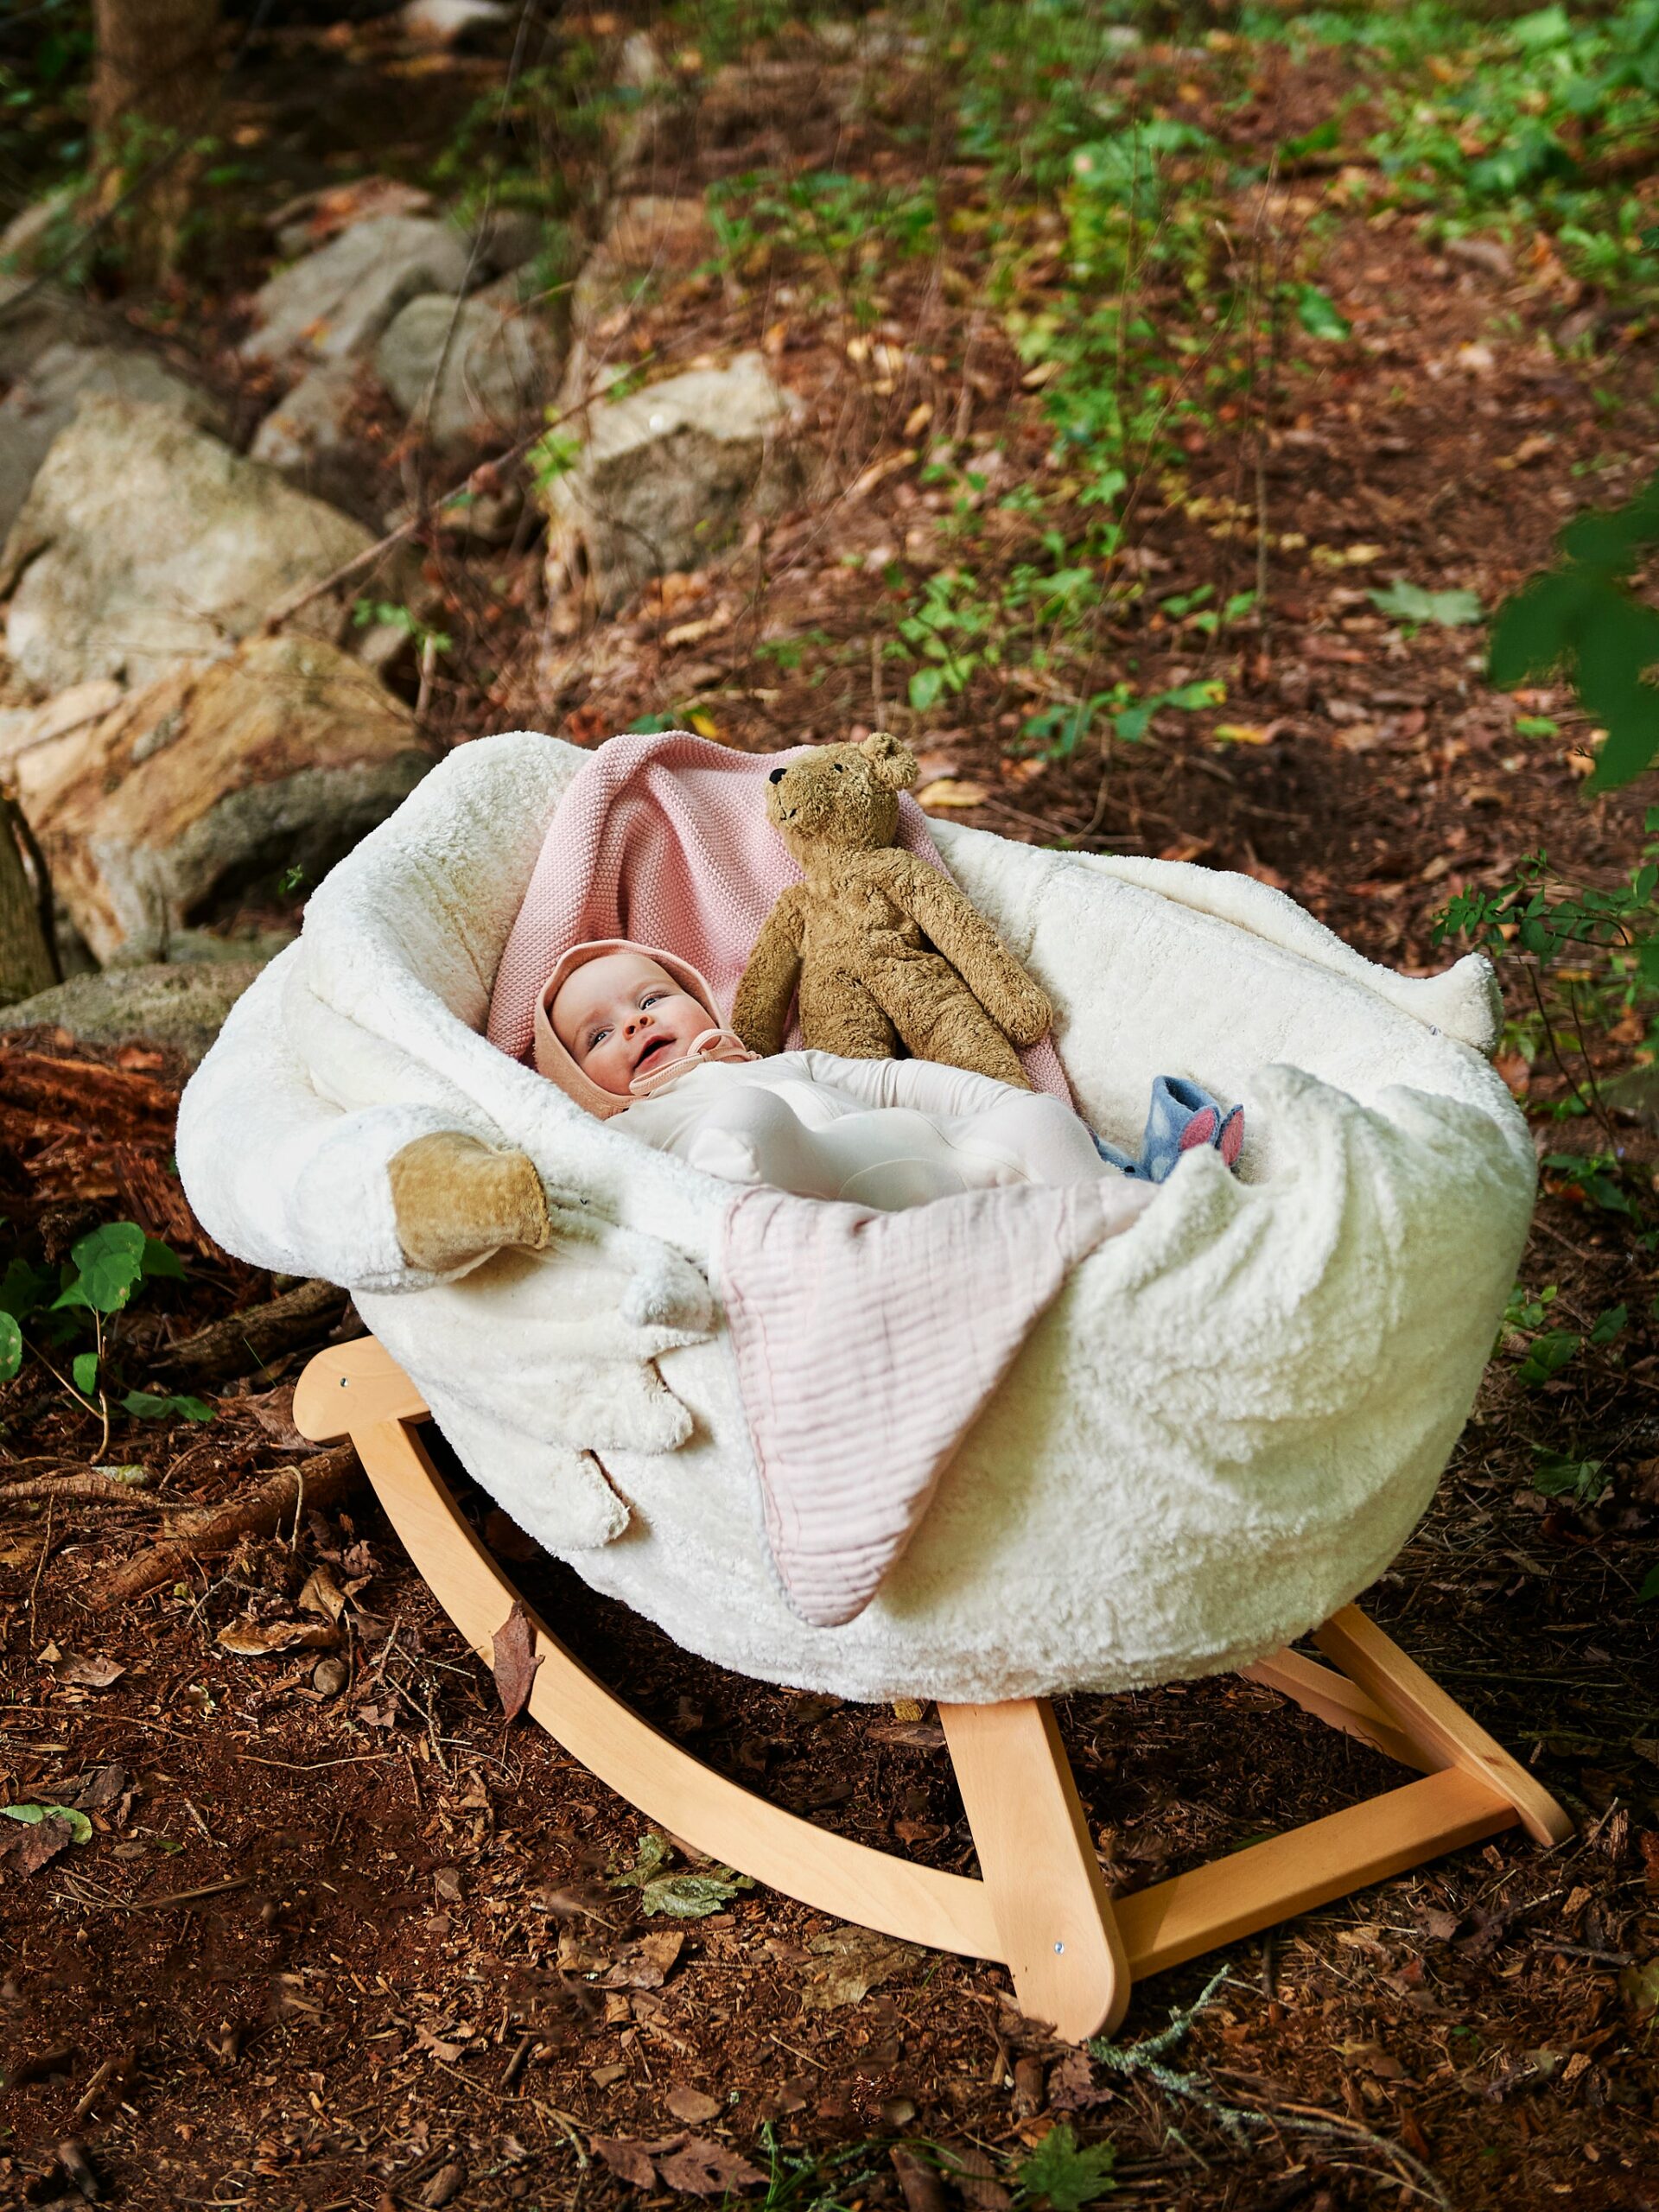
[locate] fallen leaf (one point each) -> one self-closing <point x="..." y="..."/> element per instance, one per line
<point x="1639" y="1986"/>
<point x="101" y="1788"/>
<point x="850" y="1962"/>
<point x="449" y="2052"/>
<point x="322" y="1594"/>
<point x="626" y="2158"/>
<point x="446" y="2185"/>
<point x="646" y="1964"/>
<point x="1071" y="2085"/>
<point x="513" y="1661"/>
<point x="952" y="791"/>
<point x="88" y="1673"/>
<point x="447" y="1882"/>
<point x="45" y="1831"/>
<point x="1246" y="733"/>
<point x="975" y="2176"/>
<point x="274" y="1411"/>
<point x="260" y="1639"/>
<point x="691" y="2105"/>
<point x="702" y="2167"/>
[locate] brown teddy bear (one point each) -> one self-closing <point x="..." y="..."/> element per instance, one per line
<point x="883" y="948"/>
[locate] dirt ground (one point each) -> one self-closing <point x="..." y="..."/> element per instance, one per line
<point x="340" y="1936"/>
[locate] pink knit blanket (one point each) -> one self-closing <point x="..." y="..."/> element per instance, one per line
<point x="865" y="1343"/>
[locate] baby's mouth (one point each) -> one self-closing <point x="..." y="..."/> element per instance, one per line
<point x="656" y="1044"/>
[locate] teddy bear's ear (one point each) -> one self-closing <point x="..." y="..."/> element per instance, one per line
<point x="893" y="761"/>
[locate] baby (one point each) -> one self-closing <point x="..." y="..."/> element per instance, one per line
<point x="627" y="1030"/>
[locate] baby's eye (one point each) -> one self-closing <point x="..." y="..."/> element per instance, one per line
<point x="597" y="1038"/>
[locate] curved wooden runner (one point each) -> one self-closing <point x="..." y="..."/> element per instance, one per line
<point x="1042" y="1906"/>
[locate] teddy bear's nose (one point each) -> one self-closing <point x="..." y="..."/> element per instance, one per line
<point x="777" y="776"/>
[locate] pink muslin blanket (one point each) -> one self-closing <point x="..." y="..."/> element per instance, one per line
<point x="863" y="1355"/>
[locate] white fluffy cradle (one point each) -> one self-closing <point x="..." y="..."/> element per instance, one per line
<point x="1224" y="1429"/>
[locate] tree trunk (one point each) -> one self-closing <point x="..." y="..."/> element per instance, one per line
<point x="153" y="80"/>
<point x="26" y="962"/>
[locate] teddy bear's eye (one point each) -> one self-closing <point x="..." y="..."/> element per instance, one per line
<point x="839" y="769"/>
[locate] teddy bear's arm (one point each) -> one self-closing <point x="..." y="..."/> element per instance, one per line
<point x="957" y="928"/>
<point x="760" y="1012"/>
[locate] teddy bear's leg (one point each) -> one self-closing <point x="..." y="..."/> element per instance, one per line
<point x="939" y="1019"/>
<point x="839" y="1015"/>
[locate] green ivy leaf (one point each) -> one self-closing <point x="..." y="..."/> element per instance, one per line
<point x="83" y="1368"/>
<point x="925" y="686"/>
<point x="1319" y="316"/>
<point x="108" y="1264"/>
<point x="1061" y="2173"/>
<point x="1650" y="1590"/>
<point x="1547" y="1356"/>
<point x="11" y="1347"/>
<point x="159" y="1259"/>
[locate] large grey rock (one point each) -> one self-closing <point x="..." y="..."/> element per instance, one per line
<point x="43" y="403"/>
<point x="470" y="370"/>
<point x="182" y="1009"/>
<point x="306" y="437"/>
<point x="143" y="542"/>
<point x="332" y="305"/>
<point x="665" y="476"/>
<point x="285" y="751"/>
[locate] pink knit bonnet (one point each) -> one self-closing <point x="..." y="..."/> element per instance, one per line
<point x="553" y="1061"/>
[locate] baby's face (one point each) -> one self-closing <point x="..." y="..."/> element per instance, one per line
<point x="622" y="1016"/>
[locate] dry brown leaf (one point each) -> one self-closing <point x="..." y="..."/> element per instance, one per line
<point x="36" y="1843"/>
<point x="260" y="1639"/>
<point x="627" y="2158"/>
<point x="439" y="2047"/>
<point x="850" y="1962"/>
<point x="952" y="791"/>
<point x="646" y="1964"/>
<point x="88" y="1673"/>
<point x="513" y="1661"/>
<point x="702" y="2167"/>
<point x="691" y="2105"/>
<point x="322" y="1594"/>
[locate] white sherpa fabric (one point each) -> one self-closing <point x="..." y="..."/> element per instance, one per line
<point x="1224" y="1429"/>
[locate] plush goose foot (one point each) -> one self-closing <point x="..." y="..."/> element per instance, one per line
<point x="455" y="1200"/>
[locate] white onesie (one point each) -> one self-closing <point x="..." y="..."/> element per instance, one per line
<point x="885" y="1134"/>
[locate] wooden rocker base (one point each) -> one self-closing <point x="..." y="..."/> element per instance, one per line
<point x="1041" y="1907"/>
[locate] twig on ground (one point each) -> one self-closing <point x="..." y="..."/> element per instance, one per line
<point x="243" y="1341"/>
<point x="322" y="1480"/>
<point x="90" y="1485"/>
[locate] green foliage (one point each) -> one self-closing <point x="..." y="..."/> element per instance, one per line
<point x="391" y="615"/>
<point x="691" y="1896"/>
<point x="79" y="1828"/>
<point x="1590" y="958"/>
<point x="1556" y="1475"/>
<point x="1411" y="603"/>
<point x="1063" y="2175"/>
<point x="1650" y="1590"/>
<point x="1319" y="315"/>
<point x="1581" y="617"/>
<point x="105" y="1270"/>
<point x="1547" y="1355"/>
<point x="1533" y="124"/>
<point x="843" y="227"/>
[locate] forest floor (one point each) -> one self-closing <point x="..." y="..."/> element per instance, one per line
<point x="338" y="1935"/>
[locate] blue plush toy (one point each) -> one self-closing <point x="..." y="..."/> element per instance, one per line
<point x="1181" y="1117"/>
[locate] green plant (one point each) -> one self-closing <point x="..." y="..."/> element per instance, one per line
<point x="1582" y="617"/>
<point x="1589" y="956"/>
<point x="1557" y="1475"/>
<point x="105" y="1269"/>
<point x="392" y="615"/>
<point x="1411" y="604"/>
<point x="1065" y="2174"/>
